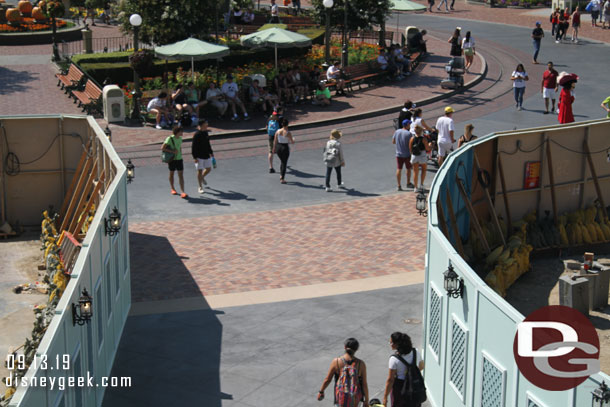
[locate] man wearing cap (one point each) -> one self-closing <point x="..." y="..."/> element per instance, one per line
<point x="229" y="90"/>
<point x="445" y="128"/>
<point x="401" y="139"/>
<point x="537" y="35"/>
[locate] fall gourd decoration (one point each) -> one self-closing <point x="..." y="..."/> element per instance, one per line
<point x="38" y="15"/>
<point x="13" y="16"/>
<point x="25" y="8"/>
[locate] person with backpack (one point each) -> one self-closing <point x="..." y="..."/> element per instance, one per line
<point x="273" y="125"/>
<point x="405" y="382"/>
<point x="172" y="147"/>
<point x="333" y="158"/>
<point x="419" y="147"/>
<point x="351" y="386"/>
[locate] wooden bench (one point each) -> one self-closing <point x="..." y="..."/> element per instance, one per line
<point x="71" y="78"/>
<point x="365" y="72"/>
<point x="90" y="98"/>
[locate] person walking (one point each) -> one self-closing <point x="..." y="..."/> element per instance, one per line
<point x="401" y="139"/>
<point x="519" y="77"/>
<point x="549" y="87"/>
<point x="430" y="4"/>
<point x="469" y="50"/>
<point x="606" y="106"/>
<point x="202" y="153"/>
<point x="419" y="147"/>
<point x="575" y="24"/>
<point x="438" y="8"/>
<point x="554" y="21"/>
<point x="467" y="136"/>
<point x="344" y="369"/>
<point x="561" y="28"/>
<point x="537" y="35"/>
<point x="280" y="147"/>
<point x="456" y="44"/>
<point x="606" y="10"/>
<point x="173" y="144"/>
<point x="404" y="354"/>
<point x="595" y="7"/>
<point x="273" y="125"/>
<point x="446" y="138"/>
<point x="333" y="158"/>
<point x="566" y="97"/>
<point x="417" y="120"/>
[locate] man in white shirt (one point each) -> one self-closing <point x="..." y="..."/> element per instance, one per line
<point x="230" y="90"/>
<point x="445" y="128"/>
<point x="334" y="76"/>
<point x="275" y="13"/>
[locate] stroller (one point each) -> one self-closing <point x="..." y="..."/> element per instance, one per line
<point x="455" y="69"/>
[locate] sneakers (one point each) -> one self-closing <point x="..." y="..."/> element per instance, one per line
<point x="328" y="189"/>
<point x="342" y="185"/>
<point x="399" y="188"/>
<point x="174" y="192"/>
<point x="183" y="195"/>
<point x="246" y="118"/>
<point x="410" y="185"/>
<point x="158" y="127"/>
<point x="519" y="108"/>
<point x="235" y="118"/>
<point x="271" y="171"/>
<point x="201" y="191"/>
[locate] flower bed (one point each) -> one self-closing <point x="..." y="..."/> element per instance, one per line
<point x="29" y="24"/>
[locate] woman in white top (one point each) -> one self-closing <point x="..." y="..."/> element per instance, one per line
<point x="519" y="77"/>
<point x="216" y="98"/>
<point x="418" y="121"/>
<point x="280" y="147"/>
<point x="401" y="343"/>
<point x="468" y="47"/>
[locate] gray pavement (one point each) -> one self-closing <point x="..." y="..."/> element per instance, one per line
<point x="265" y="355"/>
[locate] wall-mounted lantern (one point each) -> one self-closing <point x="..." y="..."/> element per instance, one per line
<point x="454" y="285"/>
<point x="131" y="171"/>
<point x="421" y="204"/>
<point x="82" y="312"/>
<point x="112" y="224"/>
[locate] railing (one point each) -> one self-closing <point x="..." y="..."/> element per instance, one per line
<point x="109" y="44"/>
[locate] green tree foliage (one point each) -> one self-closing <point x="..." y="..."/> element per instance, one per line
<point x="361" y="14"/>
<point x="168" y="21"/>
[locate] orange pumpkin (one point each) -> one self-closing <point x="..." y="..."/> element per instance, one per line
<point x="37" y="14"/>
<point x="13" y="15"/>
<point x="25" y="7"/>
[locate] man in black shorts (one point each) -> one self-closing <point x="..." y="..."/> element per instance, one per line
<point x="173" y="144"/>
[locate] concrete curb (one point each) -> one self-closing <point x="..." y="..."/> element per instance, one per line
<point x="359" y="116"/>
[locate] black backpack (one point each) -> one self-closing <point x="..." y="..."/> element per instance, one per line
<point x="418" y="146"/>
<point x="414" y="387"/>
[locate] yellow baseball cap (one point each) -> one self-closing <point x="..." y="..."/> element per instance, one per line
<point x="449" y="109"/>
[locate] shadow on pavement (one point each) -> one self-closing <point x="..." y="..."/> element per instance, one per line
<point x="172" y="353"/>
<point x="15" y="81"/>
<point x="204" y="200"/>
<point x="301" y="174"/>
<point x="230" y="195"/>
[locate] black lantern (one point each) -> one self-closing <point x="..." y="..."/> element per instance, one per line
<point x="131" y="171"/>
<point x="421" y="204"/>
<point x="113" y="222"/>
<point x="108" y="134"/>
<point x="82" y="312"/>
<point x="454" y="285"/>
<point x="601" y="395"/>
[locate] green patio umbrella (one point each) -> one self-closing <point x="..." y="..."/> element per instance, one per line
<point x="276" y="38"/>
<point x="192" y="49"/>
<point x="405" y="5"/>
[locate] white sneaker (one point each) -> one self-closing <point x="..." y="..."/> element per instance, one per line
<point x="328" y="189"/>
<point x="158" y="127"/>
<point x="342" y="185"/>
<point x="201" y="191"/>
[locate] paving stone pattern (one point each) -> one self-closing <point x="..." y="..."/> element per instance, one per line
<point x="274" y="249"/>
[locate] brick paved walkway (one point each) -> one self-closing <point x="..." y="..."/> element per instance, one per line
<point x="273" y="249"/>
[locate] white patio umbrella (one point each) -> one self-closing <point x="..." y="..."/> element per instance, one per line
<point x="276" y="38"/>
<point x="405" y="5"/>
<point x="192" y="49"/>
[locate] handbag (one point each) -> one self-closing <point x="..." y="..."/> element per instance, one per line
<point x="167" y="156"/>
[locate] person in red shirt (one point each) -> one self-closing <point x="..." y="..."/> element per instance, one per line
<point x="549" y="87"/>
<point x="575" y="24"/>
<point x="566" y="98"/>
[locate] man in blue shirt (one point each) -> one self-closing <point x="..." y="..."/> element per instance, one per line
<point x="401" y="139"/>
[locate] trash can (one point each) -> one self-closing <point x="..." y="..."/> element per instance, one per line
<point x="114" y="104"/>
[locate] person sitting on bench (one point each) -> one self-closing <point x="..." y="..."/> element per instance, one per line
<point x="334" y="77"/>
<point x="417" y="42"/>
<point x="158" y="106"/>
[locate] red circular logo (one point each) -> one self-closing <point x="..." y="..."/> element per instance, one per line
<point x="556" y="348"/>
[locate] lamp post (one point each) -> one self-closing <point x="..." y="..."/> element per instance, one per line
<point x="328" y="4"/>
<point x="136" y="20"/>
<point x="344" y="55"/>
